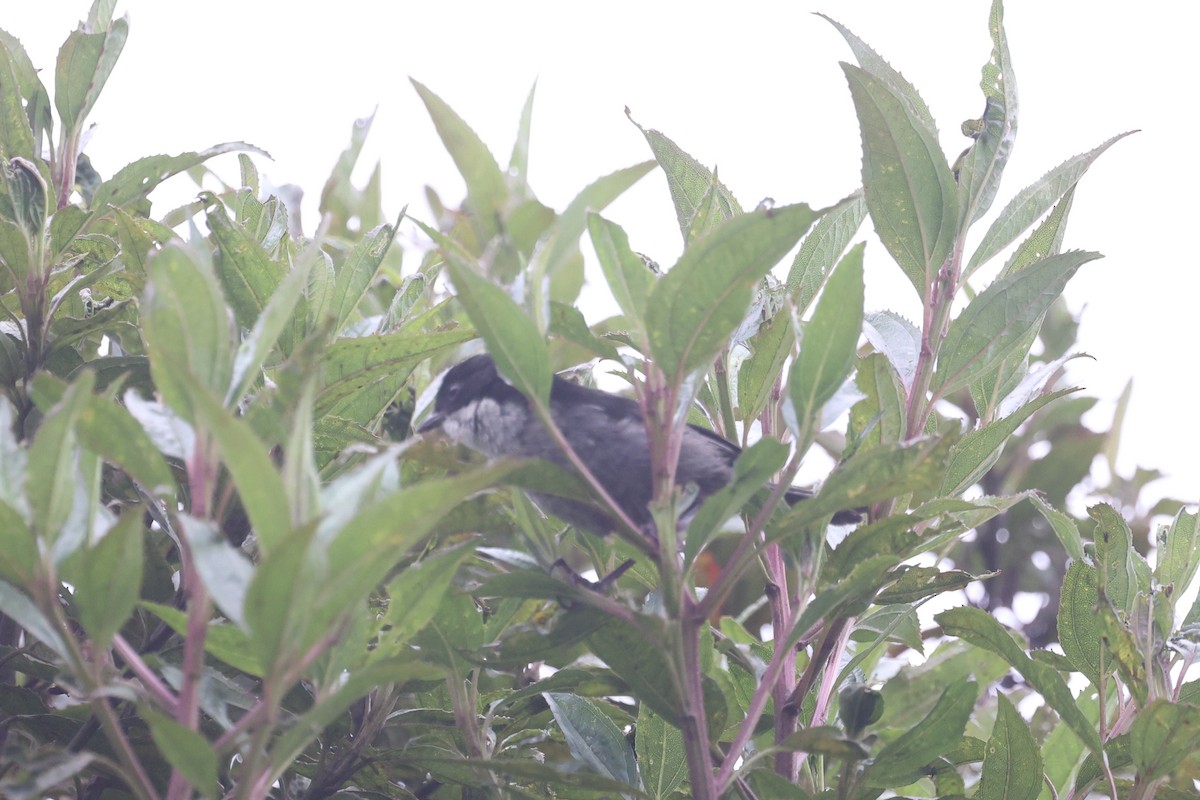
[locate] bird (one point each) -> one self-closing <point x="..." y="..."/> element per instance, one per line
<point x="476" y="407"/>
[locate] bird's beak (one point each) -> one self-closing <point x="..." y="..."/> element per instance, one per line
<point x="431" y="423"/>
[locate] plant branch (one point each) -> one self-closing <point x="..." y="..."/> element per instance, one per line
<point x="150" y="680"/>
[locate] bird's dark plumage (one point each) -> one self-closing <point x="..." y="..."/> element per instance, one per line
<point x="477" y="407"/>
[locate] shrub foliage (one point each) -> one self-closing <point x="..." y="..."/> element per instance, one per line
<point x="228" y="570"/>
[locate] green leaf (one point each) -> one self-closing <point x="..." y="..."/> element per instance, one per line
<point x="1033" y="201"/>
<point x="486" y="189"/>
<point x="825" y="740"/>
<point x="982" y="630"/>
<point x="1012" y="765"/>
<point x="911" y="194"/>
<point x="979" y="449"/>
<point x="248" y="275"/>
<point x="758" y="374"/>
<point x="639" y="661"/>
<point x="628" y="277"/>
<point x="848" y="597"/>
<point x="357" y="272"/>
<point x="18" y="546"/>
<point x="54" y="481"/>
<point x="1163" y="734"/>
<point x="107" y="578"/>
<point x="248" y="460"/>
<point x="225" y="642"/>
<point x="1126" y="652"/>
<point x="562" y="239"/>
<point x="16" y="137"/>
<point x="14" y="256"/>
<point x="897" y="339"/>
<point x="352" y="366"/>
<point x="999" y="319"/>
<point x="823" y="247"/>
<point x="415" y="597"/>
<point x="879" y="417"/>
<point x="1178" y="552"/>
<point x="1046" y="239"/>
<point x="660" y="754"/>
<point x="111" y="431"/>
<point x="1079" y="626"/>
<point x="937" y="733"/>
<point x="980" y="167"/>
<point x="694" y="308"/>
<point x="753" y="468"/>
<point x="137" y="179"/>
<point x="874" y="475"/>
<point x="518" y="163"/>
<point x="513" y="339"/>
<point x="271" y="324"/>
<point x="827" y="351"/>
<point x="186" y="326"/>
<point x="880" y="69"/>
<point x="917" y="583"/>
<point x="186" y="750"/>
<point x="85" y="61"/>
<point x="593" y="737"/>
<point x="15" y="605"/>
<point x="567" y="322"/>
<point x="689" y="181"/>
<point x="224" y="569"/>
<point x="302" y="590"/>
<point x="1114" y="556"/>
<point x="1064" y="527"/>
<point x="309" y="725"/>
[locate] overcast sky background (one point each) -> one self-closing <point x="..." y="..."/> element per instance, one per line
<point x="753" y="88"/>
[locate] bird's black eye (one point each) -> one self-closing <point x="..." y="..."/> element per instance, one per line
<point x="451" y="392"/>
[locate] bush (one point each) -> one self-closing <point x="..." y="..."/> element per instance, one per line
<point x="227" y="569"/>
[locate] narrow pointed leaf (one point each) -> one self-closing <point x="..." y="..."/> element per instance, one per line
<point x="1178" y="551"/>
<point x="999" y="319"/>
<point x="823" y="247"/>
<point x="937" y="733"/>
<point x="694" y="308"/>
<point x="511" y="335"/>
<point x="689" y="181"/>
<point x="357" y="272"/>
<point x="660" y="754"/>
<point x="518" y="163"/>
<point x="16" y="137"/>
<point x="564" y="233"/>
<point x="352" y="366"/>
<point x="1033" y="201"/>
<point x="486" y="190"/>
<point x="248" y="274"/>
<point x="982" y="630"/>
<point x="628" y="277"/>
<point x="85" y="61"/>
<point x="1079" y="628"/>
<point x="1012" y="765"/>
<point x="980" y="168"/>
<point x="1163" y="735"/>
<point x="872" y="62"/>
<point x="910" y="190"/>
<point x="137" y="179"/>
<point x="827" y="351"/>
<point x="187" y="750"/>
<point x="593" y="737"/>
<point x="186" y="325"/>
<point x="978" y="450"/>
<point x="107" y="579"/>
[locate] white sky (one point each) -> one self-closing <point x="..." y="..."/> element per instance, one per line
<point x="753" y="88"/>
